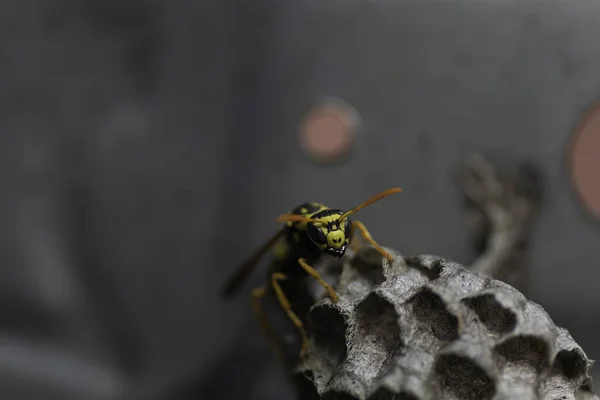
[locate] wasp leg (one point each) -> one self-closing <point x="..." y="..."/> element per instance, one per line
<point x="354" y="241"/>
<point x="257" y="296"/>
<point x="285" y="305"/>
<point x="313" y="272"/>
<point x="367" y="237"/>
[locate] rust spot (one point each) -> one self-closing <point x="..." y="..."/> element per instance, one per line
<point x="328" y="132"/>
<point x="584" y="162"/>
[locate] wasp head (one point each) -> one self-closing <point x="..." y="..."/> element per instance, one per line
<point x="330" y="234"/>
<point x="330" y="230"/>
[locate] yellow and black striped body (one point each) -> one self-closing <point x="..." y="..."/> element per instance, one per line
<point x="310" y="231"/>
<point x="296" y="244"/>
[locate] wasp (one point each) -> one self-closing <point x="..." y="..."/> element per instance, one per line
<point x="309" y="231"/>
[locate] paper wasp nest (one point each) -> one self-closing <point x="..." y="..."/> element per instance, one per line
<point x="427" y="328"/>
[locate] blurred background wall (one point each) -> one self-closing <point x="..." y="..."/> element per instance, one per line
<point x="146" y="147"/>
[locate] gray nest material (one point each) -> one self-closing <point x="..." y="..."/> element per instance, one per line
<point x="502" y="203"/>
<point x="427" y="328"/>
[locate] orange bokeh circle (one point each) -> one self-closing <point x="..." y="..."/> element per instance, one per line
<point x="584" y="162"/>
<point x="328" y="132"/>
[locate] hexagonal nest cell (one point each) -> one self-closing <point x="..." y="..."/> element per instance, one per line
<point x="428" y="328"/>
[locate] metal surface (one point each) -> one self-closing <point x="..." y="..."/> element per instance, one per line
<point x="147" y="147"/>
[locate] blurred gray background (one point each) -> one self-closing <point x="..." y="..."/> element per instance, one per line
<point x="147" y="147"/>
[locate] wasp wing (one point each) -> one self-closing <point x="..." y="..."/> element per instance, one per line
<point x="243" y="270"/>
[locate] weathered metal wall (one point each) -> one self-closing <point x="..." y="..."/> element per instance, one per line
<point x="146" y="148"/>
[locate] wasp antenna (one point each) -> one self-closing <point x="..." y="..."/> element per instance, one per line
<point x="372" y="200"/>
<point x="293" y="218"/>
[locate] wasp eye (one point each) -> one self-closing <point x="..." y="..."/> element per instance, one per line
<point x="347" y="228"/>
<point x="315" y="234"/>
